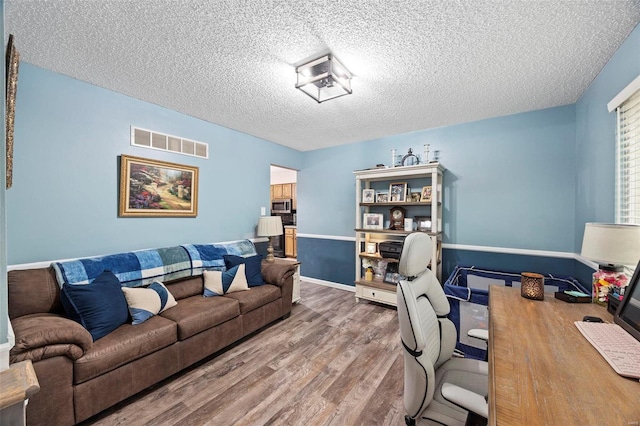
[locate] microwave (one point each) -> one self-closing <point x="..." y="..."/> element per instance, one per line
<point x="281" y="206"/>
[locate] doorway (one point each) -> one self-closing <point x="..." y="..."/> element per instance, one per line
<point x="284" y="183"/>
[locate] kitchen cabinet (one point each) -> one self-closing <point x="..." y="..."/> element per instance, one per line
<point x="290" y="249"/>
<point x="286" y="191"/>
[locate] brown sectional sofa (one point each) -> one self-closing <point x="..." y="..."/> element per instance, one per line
<point x="80" y="378"/>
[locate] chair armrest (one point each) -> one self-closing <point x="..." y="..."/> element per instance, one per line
<point x="277" y="273"/>
<point x="466" y="399"/>
<point x="479" y="333"/>
<point x="41" y="336"/>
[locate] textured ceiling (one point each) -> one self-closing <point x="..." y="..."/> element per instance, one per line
<point x="417" y="64"/>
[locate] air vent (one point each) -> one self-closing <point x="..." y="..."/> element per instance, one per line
<point x="160" y="141"/>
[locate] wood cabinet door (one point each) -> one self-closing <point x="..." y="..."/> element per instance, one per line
<point x="289" y="242"/>
<point x="294" y="204"/>
<point x="295" y="243"/>
<point x="277" y="191"/>
<point x="286" y="190"/>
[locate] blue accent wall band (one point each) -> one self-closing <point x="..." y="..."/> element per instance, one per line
<point x="334" y="261"/>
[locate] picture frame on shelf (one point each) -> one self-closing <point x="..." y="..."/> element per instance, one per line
<point x="373" y="221"/>
<point x="371" y="248"/>
<point x="152" y="188"/>
<point x="397" y="192"/>
<point x="424" y="223"/>
<point x="382" y="197"/>
<point x="415" y="197"/>
<point x="368" y="195"/>
<point x="425" y="194"/>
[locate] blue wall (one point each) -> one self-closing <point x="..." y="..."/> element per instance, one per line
<point x="64" y="201"/>
<point x="595" y="141"/>
<point x="509" y="183"/>
<point x="526" y="182"/>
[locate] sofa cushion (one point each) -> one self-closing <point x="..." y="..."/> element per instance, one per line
<point x="149" y="301"/>
<point x="185" y="287"/>
<point x="255" y="297"/>
<point x="125" y="344"/>
<point x="217" y="283"/>
<point x="100" y="306"/>
<point x="196" y="314"/>
<point x="253" y="267"/>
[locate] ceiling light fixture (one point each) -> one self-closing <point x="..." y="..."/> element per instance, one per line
<point x="324" y="78"/>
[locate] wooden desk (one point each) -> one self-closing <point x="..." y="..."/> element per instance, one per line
<point x="542" y="371"/>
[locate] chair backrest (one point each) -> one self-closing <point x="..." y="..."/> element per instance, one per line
<point x="427" y="335"/>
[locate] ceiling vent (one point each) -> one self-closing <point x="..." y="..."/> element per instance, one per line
<point x="163" y="142"/>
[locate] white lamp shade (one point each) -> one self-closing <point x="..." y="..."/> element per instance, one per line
<point x="269" y="226"/>
<point x="613" y="244"/>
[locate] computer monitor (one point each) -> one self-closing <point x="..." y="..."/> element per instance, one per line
<point x="628" y="313"/>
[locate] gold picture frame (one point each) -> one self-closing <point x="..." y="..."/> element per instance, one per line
<point x="152" y="188"/>
<point x="425" y="194"/>
<point x="12" y="64"/>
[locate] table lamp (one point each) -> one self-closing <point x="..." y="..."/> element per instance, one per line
<point x="613" y="246"/>
<point x="270" y="226"/>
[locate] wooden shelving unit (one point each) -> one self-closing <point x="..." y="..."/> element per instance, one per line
<point x="427" y="174"/>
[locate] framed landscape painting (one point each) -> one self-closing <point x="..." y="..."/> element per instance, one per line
<point x="151" y="188"/>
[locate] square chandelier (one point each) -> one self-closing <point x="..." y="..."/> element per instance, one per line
<point x="324" y="78"/>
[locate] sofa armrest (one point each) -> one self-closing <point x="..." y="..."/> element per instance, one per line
<point x="41" y="336"/>
<point x="277" y="273"/>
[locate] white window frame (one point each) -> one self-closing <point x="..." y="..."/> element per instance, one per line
<point x="627" y="107"/>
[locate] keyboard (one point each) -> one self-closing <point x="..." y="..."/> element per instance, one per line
<point x="620" y="349"/>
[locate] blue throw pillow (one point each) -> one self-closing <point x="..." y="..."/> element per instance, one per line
<point x="253" y="267"/>
<point x="99" y="306"/>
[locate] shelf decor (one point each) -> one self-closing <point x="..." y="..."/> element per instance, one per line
<point x="424" y="223"/>
<point x="397" y="192"/>
<point x="368" y="195"/>
<point x="373" y="221"/>
<point x="425" y="195"/>
<point x="382" y="197"/>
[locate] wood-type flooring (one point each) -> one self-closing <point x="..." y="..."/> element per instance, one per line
<point x="332" y="362"/>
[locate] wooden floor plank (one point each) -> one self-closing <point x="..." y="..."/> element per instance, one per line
<point x="334" y="361"/>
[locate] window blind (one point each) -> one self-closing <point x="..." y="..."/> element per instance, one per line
<point x="628" y="161"/>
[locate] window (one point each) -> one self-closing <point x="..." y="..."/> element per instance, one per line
<point x="628" y="153"/>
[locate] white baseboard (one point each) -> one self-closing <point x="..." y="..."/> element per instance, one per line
<point x="329" y="284"/>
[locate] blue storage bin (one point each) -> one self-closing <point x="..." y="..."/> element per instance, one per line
<point x="467" y="289"/>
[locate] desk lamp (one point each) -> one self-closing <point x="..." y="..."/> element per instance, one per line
<point x="614" y="246"/>
<point x="270" y="226"/>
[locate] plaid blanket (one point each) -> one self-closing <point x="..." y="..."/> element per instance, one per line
<point x="140" y="268"/>
<point x="211" y="256"/>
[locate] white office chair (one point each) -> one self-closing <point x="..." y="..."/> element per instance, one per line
<point x="438" y="389"/>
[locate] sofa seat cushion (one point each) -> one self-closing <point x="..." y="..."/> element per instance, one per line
<point x="197" y="313"/>
<point x="255" y="297"/>
<point x="123" y="345"/>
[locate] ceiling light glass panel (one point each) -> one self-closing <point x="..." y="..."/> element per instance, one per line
<point x="324" y="78"/>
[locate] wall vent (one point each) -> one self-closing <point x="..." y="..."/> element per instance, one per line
<point x="149" y="139"/>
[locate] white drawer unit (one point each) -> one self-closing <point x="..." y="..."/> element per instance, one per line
<point x="376" y="295"/>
